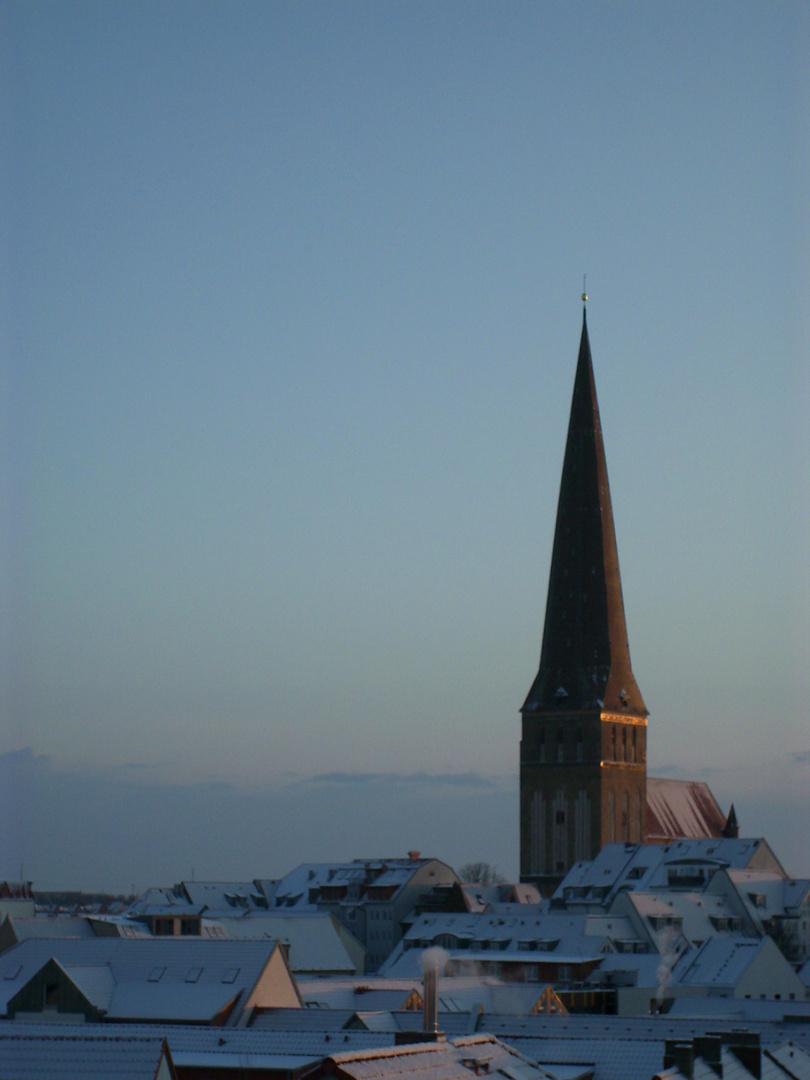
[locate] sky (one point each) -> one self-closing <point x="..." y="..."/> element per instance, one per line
<point x="290" y="305"/>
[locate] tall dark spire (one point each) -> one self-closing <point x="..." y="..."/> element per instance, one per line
<point x="585" y="659"/>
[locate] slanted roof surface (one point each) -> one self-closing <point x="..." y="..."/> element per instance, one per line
<point x="719" y="962"/>
<point x="52" y="926"/>
<point x="161" y="978"/>
<point x="313" y="939"/>
<point x="794" y="1060"/>
<point x="74" y="1055"/>
<point x="648" y="866"/>
<point x="682" y="808"/>
<point x="451" y="1060"/>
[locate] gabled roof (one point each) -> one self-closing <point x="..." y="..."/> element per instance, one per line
<point x="451" y="1060"/>
<point x="657" y="866"/>
<point x="14" y="929"/>
<point x="681" y="809"/>
<point x="190" y="898"/>
<point x="315" y="942"/>
<point x="719" y="962"/>
<point x="158" y="978"/>
<point x="301" y="887"/>
<point x="585" y="658"/>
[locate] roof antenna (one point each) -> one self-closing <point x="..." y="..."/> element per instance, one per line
<point x="584" y="294"/>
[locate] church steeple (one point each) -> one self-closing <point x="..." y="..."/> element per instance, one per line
<point x="583" y="751"/>
<point x="585" y="659"/>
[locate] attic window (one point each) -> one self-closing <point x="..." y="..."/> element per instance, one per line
<point x="230" y="975"/>
<point x="13" y="972"/>
<point x="193" y="974"/>
<point x="156" y="974"/>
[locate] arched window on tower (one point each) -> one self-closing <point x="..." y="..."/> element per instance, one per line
<point x="579" y="743"/>
<point x="624" y="742"/>
<point x="560" y="745"/>
<point x="625" y="836"/>
<point x="610" y="838"/>
<point x="613" y="756"/>
<point x="634" y="747"/>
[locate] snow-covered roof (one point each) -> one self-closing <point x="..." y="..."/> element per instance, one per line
<point x="526" y="936"/>
<point x="685" y="863"/>
<point x="313" y="939"/>
<point x="366" y="993"/>
<point x="195" y="1045"/>
<point x="73" y="1054"/>
<point x="45" y="926"/>
<point x="719" y="962"/>
<point x="160" y="978"/>
<point x="451" y="1060"/>
<point x="793" y="1060"/>
<point x="697" y="916"/>
<point x="682" y="808"/>
<point x="190" y="898"/>
<point x="301" y="886"/>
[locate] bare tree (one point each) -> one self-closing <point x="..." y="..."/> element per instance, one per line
<point x="480" y="873"/>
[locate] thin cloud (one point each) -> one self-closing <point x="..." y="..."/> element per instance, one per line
<point x="400" y="780"/>
<point x="800" y="757"/>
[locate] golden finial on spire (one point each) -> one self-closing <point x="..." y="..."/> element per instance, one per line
<point x="584" y="294"/>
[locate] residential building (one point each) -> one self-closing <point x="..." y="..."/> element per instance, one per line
<point x="162" y="979"/>
<point x="370" y="897"/>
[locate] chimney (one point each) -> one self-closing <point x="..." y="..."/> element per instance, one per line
<point x="431" y="1011"/>
<point x="430" y="1014"/>
<point x="681" y="1055"/>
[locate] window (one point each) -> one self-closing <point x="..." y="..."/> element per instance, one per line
<point x="559" y="817"/>
<point x="231" y="975"/>
<point x="156" y="974"/>
<point x="50" y="997"/>
<point x="193" y="974"/>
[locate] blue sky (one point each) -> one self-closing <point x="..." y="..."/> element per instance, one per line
<point x="290" y="314"/>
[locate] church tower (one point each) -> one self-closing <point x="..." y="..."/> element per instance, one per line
<point x="583" y="752"/>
